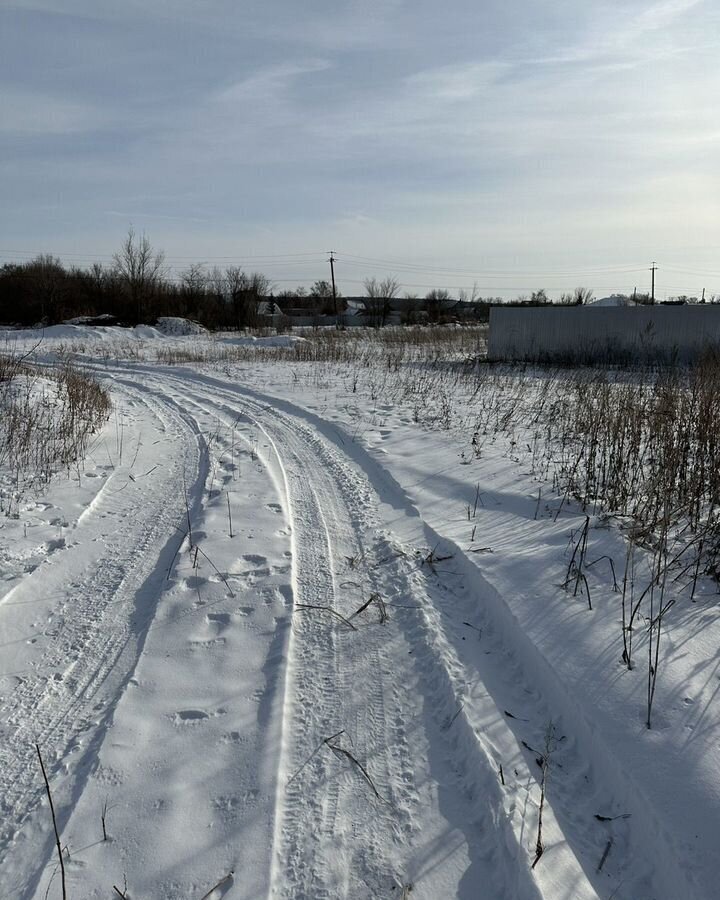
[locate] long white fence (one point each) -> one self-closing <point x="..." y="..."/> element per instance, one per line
<point x="603" y="334"/>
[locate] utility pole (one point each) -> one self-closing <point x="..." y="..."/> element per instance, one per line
<point x="653" y="269"/>
<point x="332" y="276"/>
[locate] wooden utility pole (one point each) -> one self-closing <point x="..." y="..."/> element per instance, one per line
<point x="653" y="269"/>
<point x="332" y="277"/>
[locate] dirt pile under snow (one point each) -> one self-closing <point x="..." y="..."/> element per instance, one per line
<point x="174" y="326"/>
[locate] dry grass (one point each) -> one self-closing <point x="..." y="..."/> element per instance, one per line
<point x="645" y="448"/>
<point x="627" y="443"/>
<point x="632" y="444"/>
<point x="390" y="347"/>
<point x="47" y="418"/>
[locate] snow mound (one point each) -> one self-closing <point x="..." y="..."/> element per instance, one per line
<point x="104" y="319"/>
<point x="66" y="330"/>
<point x="147" y="332"/>
<point x="177" y="327"/>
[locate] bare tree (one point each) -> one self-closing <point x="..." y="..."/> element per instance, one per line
<point x="234" y="282"/>
<point x="47" y="276"/>
<point x="259" y="284"/>
<point x="436" y="302"/>
<point x="409" y="309"/>
<point x="216" y="282"/>
<point x="245" y="291"/>
<point x="582" y="295"/>
<point x="469" y="296"/>
<point x="379" y="294"/>
<point x="194" y="279"/>
<point x="140" y="269"/>
<point x="98" y="275"/>
<point x="324" y="302"/>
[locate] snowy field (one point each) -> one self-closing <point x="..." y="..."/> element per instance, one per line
<point x="307" y="621"/>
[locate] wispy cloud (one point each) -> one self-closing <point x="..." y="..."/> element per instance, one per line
<point x="31" y="113"/>
<point x="659" y="15"/>
<point x="460" y="81"/>
<point x="269" y="83"/>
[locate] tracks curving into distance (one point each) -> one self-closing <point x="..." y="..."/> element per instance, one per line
<point x="421" y="708"/>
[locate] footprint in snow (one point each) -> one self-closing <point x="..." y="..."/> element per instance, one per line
<point x="262" y="572"/>
<point x="225" y="804"/>
<point x="193" y="582"/>
<point x="212" y="644"/>
<point x="184" y="716"/>
<point x="51" y="546"/>
<point x="233" y="802"/>
<point x="37" y="507"/>
<point x="219" y="620"/>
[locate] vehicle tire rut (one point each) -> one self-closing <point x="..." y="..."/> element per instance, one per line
<point x="96" y="634"/>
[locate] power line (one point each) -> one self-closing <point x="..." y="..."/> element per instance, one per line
<point x="352" y="259"/>
<point x="309" y="258"/>
<point x="701" y="273"/>
<point x="536" y="276"/>
<point x="616" y="287"/>
<point x="73" y="253"/>
<point x="465" y="279"/>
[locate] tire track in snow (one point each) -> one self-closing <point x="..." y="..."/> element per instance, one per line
<point x="587" y="778"/>
<point x="583" y="776"/>
<point x="334" y="839"/>
<point x="98" y="628"/>
<point x="315" y="684"/>
<point x="313" y="672"/>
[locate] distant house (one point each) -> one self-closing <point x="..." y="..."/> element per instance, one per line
<point x="355" y="311"/>
<point x="268" y="313"/>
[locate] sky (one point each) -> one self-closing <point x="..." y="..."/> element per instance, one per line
<point x="508" y="145"/>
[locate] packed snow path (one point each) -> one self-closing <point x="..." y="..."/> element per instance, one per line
<point x="247" y="729"/>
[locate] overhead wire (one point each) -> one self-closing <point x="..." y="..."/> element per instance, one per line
<point x="437" y="275"/>
<point x="353" y="259"/>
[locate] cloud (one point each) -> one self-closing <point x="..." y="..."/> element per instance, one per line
<point x="25" y="113"/>
<point x="658" y="15"/>
<point x="269" y="83"/>
<point x="461" y="81"/>
<point x="617" y="37"/>
<point x="424" y="127"/>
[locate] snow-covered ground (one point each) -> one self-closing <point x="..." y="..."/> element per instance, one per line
<point x="181" y="637"/>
